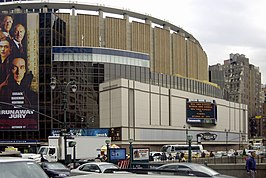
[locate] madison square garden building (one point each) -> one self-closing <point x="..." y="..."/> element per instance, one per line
<point x="119" y="60"/>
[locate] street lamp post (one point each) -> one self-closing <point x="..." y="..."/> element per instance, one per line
<point x="130" y="152"/>
<point x="189" y="138"/>
<point x="186" y="127"/>
<point x="74" y="89"/>
<point x="240" y="136"/>
<point x="107" y="149"/>
<point x="226" y="139"/>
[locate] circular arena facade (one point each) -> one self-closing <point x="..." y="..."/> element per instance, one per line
<point x="94" y="44"/>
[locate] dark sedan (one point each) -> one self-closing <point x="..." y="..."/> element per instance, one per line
<point x="191" y="169"/>
<point x="55" y="169"/>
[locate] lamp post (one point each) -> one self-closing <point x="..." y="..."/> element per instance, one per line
<point x="107" y="149"/>
<point x="74" y="89"/>
<point x="226" y="139"/>
<point x="186" y="127"/>
<point x="189" y="138"/>
<point x="130" y="152"/>
<point x="240" y="137"/>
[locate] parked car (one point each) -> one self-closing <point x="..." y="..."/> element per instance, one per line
<point x="123" y="175"/>
<point x="191" y="169"/>
<point x="220" y="154"/>
<point x="15" y="167"/>
<point x="93" y="167"/>
<point x="55" y="169"/>
<point x="79" y="162"/>
<point x="155" y="155"/>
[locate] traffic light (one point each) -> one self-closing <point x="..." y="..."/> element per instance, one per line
<point x="253" y="129"/>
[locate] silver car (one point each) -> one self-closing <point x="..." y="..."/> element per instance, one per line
<point x="127" y="175"/>
<point x="14" y="167"/>
<point x="93" y="167"/>
<point x="191" y="169"/>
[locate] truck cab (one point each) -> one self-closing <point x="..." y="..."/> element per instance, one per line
<point x="48" y="153"/>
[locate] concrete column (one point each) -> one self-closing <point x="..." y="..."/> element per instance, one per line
<point x="128" y="32"/>
<point x="101" y="29"/>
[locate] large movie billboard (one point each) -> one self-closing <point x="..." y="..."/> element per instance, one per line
<point x="19" y="37"/>
<point x="201" y="112"/>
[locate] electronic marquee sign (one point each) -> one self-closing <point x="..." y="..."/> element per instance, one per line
<point x="201" y="112"/>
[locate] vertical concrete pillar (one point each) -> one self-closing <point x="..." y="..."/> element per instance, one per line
<point x="101" y="29"/>
<point x="73" y="30"/>
<point x="149" y="22"/>
<point x="128" y="33"/>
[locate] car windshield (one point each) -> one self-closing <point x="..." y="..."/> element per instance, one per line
<point x="43" y="151"/>
<point x="55" y="166"/>
<point x="205" y="169"/>
<point x="21" y="170"/>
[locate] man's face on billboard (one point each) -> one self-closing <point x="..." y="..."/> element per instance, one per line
<point x="5" y="49"/>
<point x="8" y="22"/>
<point x="18" y="69"/>
<point x="19" y="33"/>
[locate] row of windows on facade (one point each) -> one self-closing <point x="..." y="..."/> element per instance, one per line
<point x="141" y="74"/>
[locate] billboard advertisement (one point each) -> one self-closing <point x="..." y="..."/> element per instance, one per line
<point x="201" y="112"/>
<point x="19" y="46"/>
<point x="117" y="154"/>
<point x="141" y="154"/>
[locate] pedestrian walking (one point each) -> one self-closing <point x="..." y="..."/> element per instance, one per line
<point x="182" y="157"/>
<point x="163" y="157"/>
<point x="251" y="165"/>
<point x="177" y="157"/>
<point x="203" y="154"/>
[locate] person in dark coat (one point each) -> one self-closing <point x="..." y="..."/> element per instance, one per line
<point x="251" y="165"/>
<point x="5" y="56"/>
<point x="15" y="88"/>
<point x="203" y="154"/>
<point x="19" y="46"/>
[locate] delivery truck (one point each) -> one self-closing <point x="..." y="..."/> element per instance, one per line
<point x="84" y="147"/>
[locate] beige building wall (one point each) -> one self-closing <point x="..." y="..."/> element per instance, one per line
<point x="115" y="33"/>
<point x="141" y="37"/>
<point x="179" y="54"/>
<point x="170" y="53"/>
<point x="141" y="104"/>
<point x="195" y="60"/>
<point x="159" y="113"/>
<point x="88" y="30"/>
<point x="155" y="105"/>
<point x="202" y="65"/>
<point x="189" y="58"/>
<point x="162" y="51"/>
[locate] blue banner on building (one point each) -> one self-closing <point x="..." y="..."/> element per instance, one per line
<point x="84" y="132"/>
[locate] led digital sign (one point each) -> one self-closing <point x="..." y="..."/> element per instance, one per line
<point x="201" y="112"/>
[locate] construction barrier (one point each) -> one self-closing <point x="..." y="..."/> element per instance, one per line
<point x="123" y="164"/>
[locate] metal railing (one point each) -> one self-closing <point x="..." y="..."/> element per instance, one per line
<point x="217" y="160"/>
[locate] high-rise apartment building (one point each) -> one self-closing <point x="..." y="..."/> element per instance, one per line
<point x="241" y="80"/>
<point x="262" y="121"/>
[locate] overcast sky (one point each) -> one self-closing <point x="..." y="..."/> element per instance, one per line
<point x="221" y="26"/>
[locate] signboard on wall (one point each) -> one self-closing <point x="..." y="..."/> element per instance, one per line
<point x="99" y="132"/>
<point x="141" y="154"/>
<point x="19" y="86"/>
<point x="201" y="112"/>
